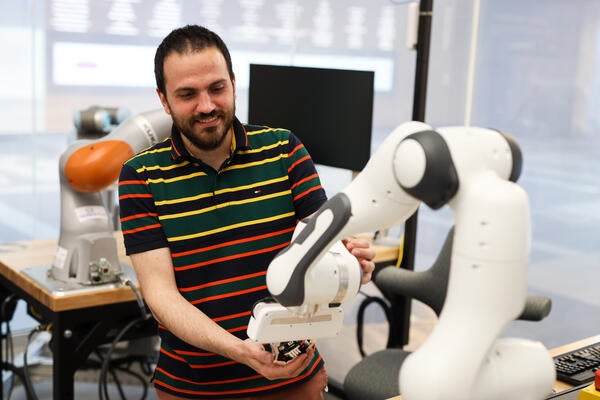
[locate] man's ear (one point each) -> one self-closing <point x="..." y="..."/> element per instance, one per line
<point x="233" y="83"/>
<point x="163" y="101"/>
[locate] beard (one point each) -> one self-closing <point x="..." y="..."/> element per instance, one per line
<point x="205" y="138"/>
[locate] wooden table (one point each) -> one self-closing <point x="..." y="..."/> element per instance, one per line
<point x="559" y="386"/>
<point x="80" y="320"/>
<point x="385" y="254"/>
<point x="19" y="256"/>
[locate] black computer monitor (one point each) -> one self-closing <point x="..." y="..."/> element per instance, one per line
<point x="330" y="110"/>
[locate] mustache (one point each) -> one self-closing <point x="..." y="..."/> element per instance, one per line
<point x="211" y="114"/>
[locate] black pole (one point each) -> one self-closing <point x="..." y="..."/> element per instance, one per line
<point x="419" y="100"/>
<point x="401" y="306"/>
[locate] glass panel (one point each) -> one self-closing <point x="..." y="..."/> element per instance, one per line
<point x="536" y="77"/>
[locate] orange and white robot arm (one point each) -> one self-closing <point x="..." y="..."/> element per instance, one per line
<point x="87" y="250"/>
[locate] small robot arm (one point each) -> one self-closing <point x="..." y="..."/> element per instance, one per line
<point x="87" y="250"/>
<point x="473" y="171"/>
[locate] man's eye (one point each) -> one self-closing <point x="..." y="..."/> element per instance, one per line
<point x="187" y="96"/>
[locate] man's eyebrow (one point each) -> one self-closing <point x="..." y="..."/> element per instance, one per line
<point x="193" y="89"/>
<point x="219" y="82"/>
<point x="184" y="89"/>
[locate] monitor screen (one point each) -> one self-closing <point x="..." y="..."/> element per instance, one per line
<point x="329" y="110"/>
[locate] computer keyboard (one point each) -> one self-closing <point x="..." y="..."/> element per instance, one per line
<point x="578" y="366"/>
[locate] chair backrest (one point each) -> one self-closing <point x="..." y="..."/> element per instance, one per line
<point x="375" y="377"/>
<point x="429" y="286"/>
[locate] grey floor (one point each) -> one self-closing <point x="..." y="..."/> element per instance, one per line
<point x="562" y="178"/>
<point x="89" y="391"/>
<point x="84" y="391"/>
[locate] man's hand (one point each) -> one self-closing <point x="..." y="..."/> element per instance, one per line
<point x="263" y="362"/>
<point x="364" y="253"/>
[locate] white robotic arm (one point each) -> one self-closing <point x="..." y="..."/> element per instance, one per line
<point x="87" y="250"/>
<point x="315" y="274"/>
<point x="472" y="170"/>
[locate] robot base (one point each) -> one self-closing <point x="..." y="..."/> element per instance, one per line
<point x="273" y="323"/>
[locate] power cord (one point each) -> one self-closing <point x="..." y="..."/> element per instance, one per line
<point x="105" y="369"/>
<point x="125" y="281"/>
<point x="360" y="318"/>
<point x="107" y="359"/>
<point x="6" y="313"/>
<point x="7" y="310"/>
<point x="31" y="395"/>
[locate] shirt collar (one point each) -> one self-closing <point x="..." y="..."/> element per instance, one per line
<point x="180" y="153"/>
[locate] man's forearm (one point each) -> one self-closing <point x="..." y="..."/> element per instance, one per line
<point x="154" y="270"/>
<point x="194" y="327"/>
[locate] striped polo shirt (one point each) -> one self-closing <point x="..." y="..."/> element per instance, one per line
<point x="223" y="228"/>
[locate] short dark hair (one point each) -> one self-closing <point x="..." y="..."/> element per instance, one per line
<point x="188" y="38"/>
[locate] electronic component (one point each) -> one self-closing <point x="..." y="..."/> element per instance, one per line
<point x="286" y="351"/>
<point x="578" y="366"/>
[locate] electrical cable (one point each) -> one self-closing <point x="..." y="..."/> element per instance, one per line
<point x="106" y="362"/>
<point x="360" y="319"/>
<point x="102" y="382"/>
<point x="9" y="351"/>
<point x="31" y="395"/>
<point x="139" y="378"/>
<point x="138" y="297"/>
<point x="117" y="364"/>
<point x="117" y="381"/>
<point x="21" y="374"/>
<point x="145" y="367"/>
<point x="9" y="300"/>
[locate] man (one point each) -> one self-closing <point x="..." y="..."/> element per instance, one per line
<point x="203" y="213"/>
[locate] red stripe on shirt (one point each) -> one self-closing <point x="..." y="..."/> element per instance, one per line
<point x="144" y="228"/>
<point x="247" y="391"/>
<point x="223" y="281"/>
<point x="232" y="257"/>
<point x="298" y="162"/>
<point x="232" y="242"/>
<point x="308" y="178"/>
<point x="136" y="216"/>
<point x="230" y="294"/>
<point x="135" y="196"/>
<point x="132" y="182"/>
<point x="307" y="192"/>
<point x="248" y="378"/>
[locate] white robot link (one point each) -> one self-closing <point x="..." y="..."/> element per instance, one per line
<point x="473" y="171"/>
<point x="87" y="249"/>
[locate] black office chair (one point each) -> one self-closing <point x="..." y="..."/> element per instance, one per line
<point x="375" y="377"/>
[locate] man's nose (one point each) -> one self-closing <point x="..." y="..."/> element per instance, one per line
<point x="204" y="104"/>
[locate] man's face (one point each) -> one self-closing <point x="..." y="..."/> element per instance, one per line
<point x="199" y="96"/>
